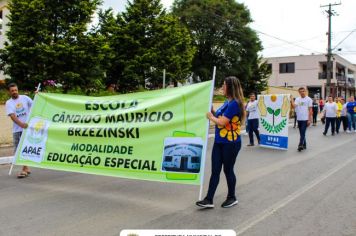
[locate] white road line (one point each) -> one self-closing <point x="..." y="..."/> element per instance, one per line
<point x="275" y="207"/>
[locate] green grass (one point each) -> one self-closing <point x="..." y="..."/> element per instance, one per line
<point x="4" y="95"/>
<point x="219" y="98"/>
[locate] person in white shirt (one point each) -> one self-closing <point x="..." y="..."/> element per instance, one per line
<point x="252" y="119"/>
<point x="330" y="112"/>
<point x="303" y="106"/>
<point x="18" y="108"/>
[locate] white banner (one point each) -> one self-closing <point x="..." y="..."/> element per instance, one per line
<point x="34" y="144"/>
<point x="274" y="117"/>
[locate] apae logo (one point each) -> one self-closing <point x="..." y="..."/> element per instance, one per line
<point x="34" y="145"/>
<point x="37" y="132"/>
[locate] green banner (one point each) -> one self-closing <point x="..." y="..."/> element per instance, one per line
<point x="157" y="135"/>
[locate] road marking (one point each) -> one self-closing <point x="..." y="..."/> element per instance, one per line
<point x="275" y="207"/>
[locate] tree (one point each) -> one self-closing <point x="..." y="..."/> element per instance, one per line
<point x="144" y="41"/>
<point x="223" y="38"/>
<point x="49" y="40"/>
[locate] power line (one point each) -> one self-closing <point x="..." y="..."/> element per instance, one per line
<point x="348" y="53"/>
<point x="309" y="39"/>
<point x="299" y="41"/>
<point x="288" y="42"/>
<point x="345" y="38"/>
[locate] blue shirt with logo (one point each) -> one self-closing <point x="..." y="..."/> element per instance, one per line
<point x="231" y="131"/>
<point x="351" y="107"/>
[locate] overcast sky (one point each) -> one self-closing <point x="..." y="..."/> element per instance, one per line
<point x="294" y="27"/>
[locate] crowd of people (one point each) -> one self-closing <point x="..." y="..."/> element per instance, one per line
<point x="306" y="111"/>
<point x="228" y="119"/>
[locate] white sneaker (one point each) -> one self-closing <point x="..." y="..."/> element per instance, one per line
<point x="355" y="131"/>
<point x="348" y="131"/>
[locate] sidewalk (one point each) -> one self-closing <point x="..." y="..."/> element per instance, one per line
<point x="5" y="128"/>
<point x="6" y="151"/>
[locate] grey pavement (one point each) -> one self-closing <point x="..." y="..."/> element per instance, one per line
<point x="279" y="192"/>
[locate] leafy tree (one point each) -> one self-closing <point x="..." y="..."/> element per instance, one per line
<point x="49" y="40"/>
<point x="145" y="40"/>
<point x="260" y="74"/>
<point x="223" y="38"/>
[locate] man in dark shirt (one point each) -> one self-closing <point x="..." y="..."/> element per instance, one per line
<point x="315" y="111"/>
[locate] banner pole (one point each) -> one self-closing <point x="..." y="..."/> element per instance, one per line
<point x="207" y="137"/>
<point x="13" y="159"/>
<point x="12" y="166"/>
<point x="164" y="79"/>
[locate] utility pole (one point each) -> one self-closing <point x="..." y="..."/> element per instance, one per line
<point x="329" y="64"/>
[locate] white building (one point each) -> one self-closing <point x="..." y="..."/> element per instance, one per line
<point x="310" y="71"/>
<point x="4" y="12"/>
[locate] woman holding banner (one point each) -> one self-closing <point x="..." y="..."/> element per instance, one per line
<point x="228" y="119"/>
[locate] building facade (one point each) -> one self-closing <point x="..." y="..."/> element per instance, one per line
<point x="310" y="71"/>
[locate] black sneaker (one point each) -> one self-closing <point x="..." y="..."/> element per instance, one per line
<point x="229" y="202"/>
<point x="300" y="148"/>
<point x="205" y="203"/>
<point x="305" y="147"/>
<point x="250" y="145"/>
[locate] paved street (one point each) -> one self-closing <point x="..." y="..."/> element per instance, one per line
<point x="279" y="192"/>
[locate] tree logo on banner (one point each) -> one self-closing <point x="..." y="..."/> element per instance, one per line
<point x="36" y="133"/>
<point x="272" y="127"/>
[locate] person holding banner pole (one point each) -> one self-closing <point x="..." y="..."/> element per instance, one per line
<point x="18" y="108"/>
<point x="303" y="106"/>
<point x="252" y="119"/>
<point x="247" y="129"/>
<point x="228" y="119"/>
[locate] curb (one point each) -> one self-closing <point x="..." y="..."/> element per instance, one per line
<point x="6" y="160"/>
<point x="6" y="145"/>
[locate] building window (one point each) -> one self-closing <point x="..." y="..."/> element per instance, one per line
<point x="286" y="67"/>
<point x="269" y="68"/>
